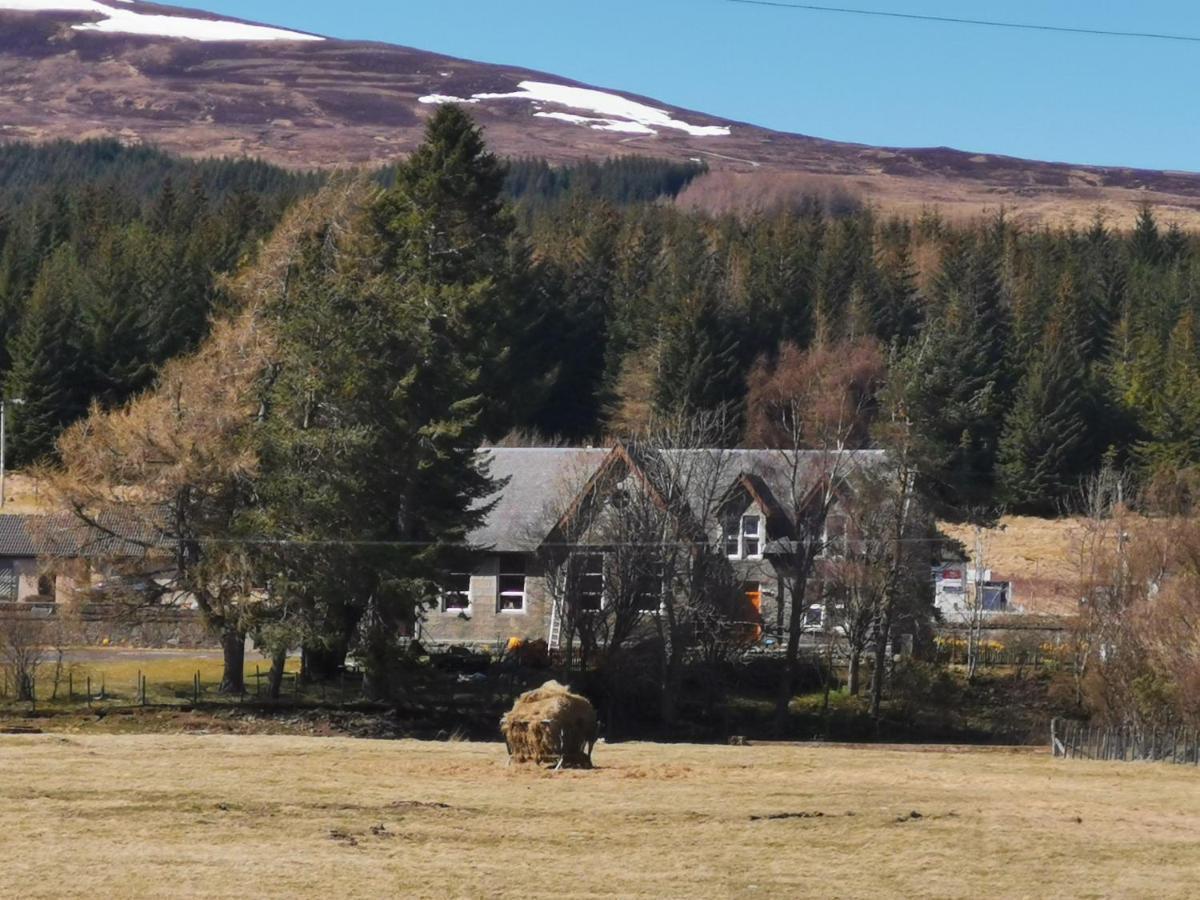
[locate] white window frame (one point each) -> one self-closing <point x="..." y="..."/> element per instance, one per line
<point x="501" y="593"/>
<point x="446" y="593"/>
<point x="758" y="535"/>
<point x="739" y="535"/>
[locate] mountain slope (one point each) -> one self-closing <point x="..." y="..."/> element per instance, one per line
<point x="200" y="84"/>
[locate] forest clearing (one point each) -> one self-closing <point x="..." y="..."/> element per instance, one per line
<point x="217" y="815"/>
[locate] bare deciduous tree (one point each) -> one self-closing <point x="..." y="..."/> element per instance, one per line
<point x="814" y="408"/>
<point x="22" y="650"/>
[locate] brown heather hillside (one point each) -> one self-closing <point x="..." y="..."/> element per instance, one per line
<point x="330" y="103"/>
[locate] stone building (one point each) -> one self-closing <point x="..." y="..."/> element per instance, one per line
<point x="553" y="543"/>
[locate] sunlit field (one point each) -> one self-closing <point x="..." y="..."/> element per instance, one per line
<point x="216" y="815"/>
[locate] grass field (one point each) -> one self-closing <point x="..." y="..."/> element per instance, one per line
<point x="225" y="816"/>
<point x="168" y="675"/>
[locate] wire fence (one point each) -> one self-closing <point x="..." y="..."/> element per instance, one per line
<point x="1080" y="740"/>
<point x="71" y="688"/>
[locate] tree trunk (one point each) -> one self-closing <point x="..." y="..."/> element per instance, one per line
<point x="787" y="681"/>
<point x="881" y="645"/>
<point x="854" y="675"/>
<point x="275" y="676"/>
<point x="233" y="650"/>
<point x="672" y="676"/>
<point x="323" y="663"/>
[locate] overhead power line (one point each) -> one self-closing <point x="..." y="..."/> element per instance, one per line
<point x="956" y="20"/>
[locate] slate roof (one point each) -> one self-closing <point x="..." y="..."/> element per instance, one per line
<point x="62" y="535"/>
<point x="14" y="537"/>
<point x="542" y="482"/>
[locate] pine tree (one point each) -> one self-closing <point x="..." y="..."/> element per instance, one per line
<point x="445" y="224"/>
<point x="1145" y="244"/>
<point x="957" y="382"/>
<point x="698" y="363"/>
<point x="898" y="312"/>
<point x="1171" y="407"/>
<point x="368" y="445"/>
<point x="114" y="327"/>
<point x="46" y="374"/>
<point x="1041" y="453"/>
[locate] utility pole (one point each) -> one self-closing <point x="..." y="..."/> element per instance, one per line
<point x="3" y="436"/>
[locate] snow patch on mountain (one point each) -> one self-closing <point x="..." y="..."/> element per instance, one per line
<point x="127" y="21"/>
<point x="616" y="113"/>
<point x="598" y="124"/>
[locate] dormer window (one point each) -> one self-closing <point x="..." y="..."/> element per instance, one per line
<point x="743" y="538"/>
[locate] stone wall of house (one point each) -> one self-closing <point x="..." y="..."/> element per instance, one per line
<point x="27" y="571"/>
<point x="484" y="624"/>
<point x="760" y="573"/>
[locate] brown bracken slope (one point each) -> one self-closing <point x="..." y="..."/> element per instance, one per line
<point x="331" y="103"/>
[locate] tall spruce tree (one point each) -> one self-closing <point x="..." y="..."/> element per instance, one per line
<point x="47" y="375"/>
<point x="957" y="380"/>
<point x="445" y="225"/>
<point x="368" y="442"/>
<point x="1171" y="411"/>
<point x="1042" y="452"/>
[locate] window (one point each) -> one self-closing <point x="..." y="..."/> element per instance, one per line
<point x="994" y="596"/>
<point x="510" y="584"/>
<point x="751" y="536"/>
<point x="8" y="581"/>
<point x="731" y="540"/>
<point x="46" y="586"/>
<point x="589" y="580"/>
<point x="743" y="539"/>
<point x="814" y="616"/>
<point x="649" y="595"/>
<point x="456" y="592"/>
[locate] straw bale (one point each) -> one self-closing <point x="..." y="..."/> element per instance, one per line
<point x="550" y="725"/>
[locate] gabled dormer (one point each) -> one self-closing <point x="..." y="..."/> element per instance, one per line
<point x="749" y="518"/>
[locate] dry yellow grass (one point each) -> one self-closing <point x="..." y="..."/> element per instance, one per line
<point x="1023" y="545"/>
<point x="140" y="816"/>
<point x="25" y="494"/>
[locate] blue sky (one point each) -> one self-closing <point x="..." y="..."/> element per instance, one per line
<point x="1104" y="100"/>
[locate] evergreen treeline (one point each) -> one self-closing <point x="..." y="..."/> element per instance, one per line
<point x="621" y="179"/>
<point x="1028" y="356"/>
<point x="110" y="259"/>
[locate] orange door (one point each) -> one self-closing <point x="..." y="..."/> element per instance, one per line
<point x="754" y="595"/>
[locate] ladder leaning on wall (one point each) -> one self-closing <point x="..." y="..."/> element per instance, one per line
<point x="554" y="635"/>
